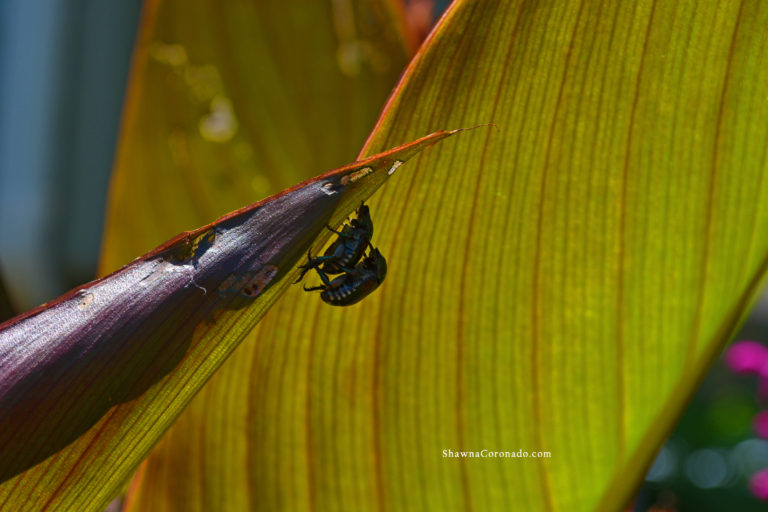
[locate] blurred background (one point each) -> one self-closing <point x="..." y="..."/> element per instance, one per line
<point x="63" y="71"/>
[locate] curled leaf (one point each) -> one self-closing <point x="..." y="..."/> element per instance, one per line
<point x="97" y="375"/>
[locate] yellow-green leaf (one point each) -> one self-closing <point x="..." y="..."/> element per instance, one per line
<point x="232" y="102"/>
<point x="219" y="113"/>
<point x="557" y="285"/>
<point x="89" y="381"/>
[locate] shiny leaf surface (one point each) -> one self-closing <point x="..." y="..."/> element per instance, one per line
<point x="91" y="380"/>
<point x="229" y="103"/>
<point x="560" y="284"/>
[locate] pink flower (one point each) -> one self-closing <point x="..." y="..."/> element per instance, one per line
<point x="747" y="357"/>
<point x="760" y="424"/>
<point x="758" y="484"/>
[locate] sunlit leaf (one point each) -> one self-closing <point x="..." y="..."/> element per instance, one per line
<point x="560" y="284"/>
<point x="233" y="101"/>
<point x="90" y="381"/>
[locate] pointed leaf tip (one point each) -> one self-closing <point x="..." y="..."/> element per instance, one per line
<point x="104" y="369"/>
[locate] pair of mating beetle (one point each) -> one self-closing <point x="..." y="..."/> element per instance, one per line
<point x="360" y="273"/>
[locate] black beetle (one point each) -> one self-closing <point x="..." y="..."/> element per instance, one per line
<point x="347" y="249"/>
<point x="355" y="283"/>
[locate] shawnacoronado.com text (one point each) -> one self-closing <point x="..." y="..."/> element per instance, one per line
<point x="489" y="454"/>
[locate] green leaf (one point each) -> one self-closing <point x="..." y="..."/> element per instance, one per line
<point x="102" y="371"/>
<point x="180" y="164"/>
<point x="231" y="103"/>
<point x="560" y="284"/>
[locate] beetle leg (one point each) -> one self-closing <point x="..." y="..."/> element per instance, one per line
<point x="323" y="276"/>
<point x="329" y="228"/>
<point x="313" y="288"/>
<point x="304" y="268"/>
<point x="340" y="233"/>
<point x="308" y="265"/>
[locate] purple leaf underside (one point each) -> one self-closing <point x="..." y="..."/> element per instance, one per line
<point x="66" y="363"/>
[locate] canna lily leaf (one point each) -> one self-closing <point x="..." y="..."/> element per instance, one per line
<point x="223" y="107"/>
<point x="91" y="380"/>
<point x="557" y="286"/>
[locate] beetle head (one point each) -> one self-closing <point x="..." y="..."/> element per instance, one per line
<point x="376" y="262"/>
<point x="363" y="221"/>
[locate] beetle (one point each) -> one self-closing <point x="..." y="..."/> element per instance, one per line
<point x="347" y="249"/>
<point x="355" y="283"/>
